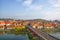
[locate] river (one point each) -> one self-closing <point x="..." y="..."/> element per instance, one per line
<point x="11" y="36"/>
<point x="57" y="35"/>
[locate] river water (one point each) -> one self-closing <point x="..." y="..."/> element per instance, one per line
<point x="57" y="35"/>
<point x="10" y="36"/>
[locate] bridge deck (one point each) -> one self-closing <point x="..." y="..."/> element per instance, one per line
<point x="44" y="35"/>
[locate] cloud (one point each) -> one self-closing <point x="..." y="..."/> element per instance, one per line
<point x="30" y="6"/>
<point x="51" y="14"/>
<point x="27" y="2"/>
<point x="54" y="10"/>
<point x="50" y="10"/>
<point x="35" y="7"/>
<point x="54" y="3"/>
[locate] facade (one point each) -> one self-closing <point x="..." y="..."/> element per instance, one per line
<point x="38" y="25"/>
<point x="48" y="26"/>
<point x="2" y="23"/>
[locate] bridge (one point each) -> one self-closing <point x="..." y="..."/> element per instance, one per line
<point x="42" y="34"/>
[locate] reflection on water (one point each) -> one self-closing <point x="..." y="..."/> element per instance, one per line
<point x="57" y="35"/>
<point x="8" y="35"/>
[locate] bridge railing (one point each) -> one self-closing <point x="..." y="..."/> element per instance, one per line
<point x="44" y="35"/>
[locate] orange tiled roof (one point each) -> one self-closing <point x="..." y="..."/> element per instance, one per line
<point x="48" y="25"/>
<point x="37" y="24"/>
<point x="2" y="22"/>
<point x="8" y="22"/>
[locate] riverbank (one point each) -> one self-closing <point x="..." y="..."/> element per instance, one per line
<point x="19" y="31"/>
<point x="53" y="32"/>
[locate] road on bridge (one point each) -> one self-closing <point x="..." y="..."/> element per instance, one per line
<point x="44" y="35"/>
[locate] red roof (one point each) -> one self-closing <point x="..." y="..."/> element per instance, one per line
<point x="48" y="24"/>
<point x="8" y="22"/>
<point x="3" y="23"/>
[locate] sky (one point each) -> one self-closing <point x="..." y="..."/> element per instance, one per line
<point x="30" y="9"/>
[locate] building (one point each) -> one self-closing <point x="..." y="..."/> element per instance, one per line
<point x="48" y="26"/>
<point x="38" y="25"/>
<point x="2" y="23"/>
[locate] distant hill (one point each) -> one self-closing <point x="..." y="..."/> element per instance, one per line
<point x="43" y="20"/>
<point x="3" y="19"/>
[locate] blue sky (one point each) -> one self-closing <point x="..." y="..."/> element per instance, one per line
<point x="30" y="9"/>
